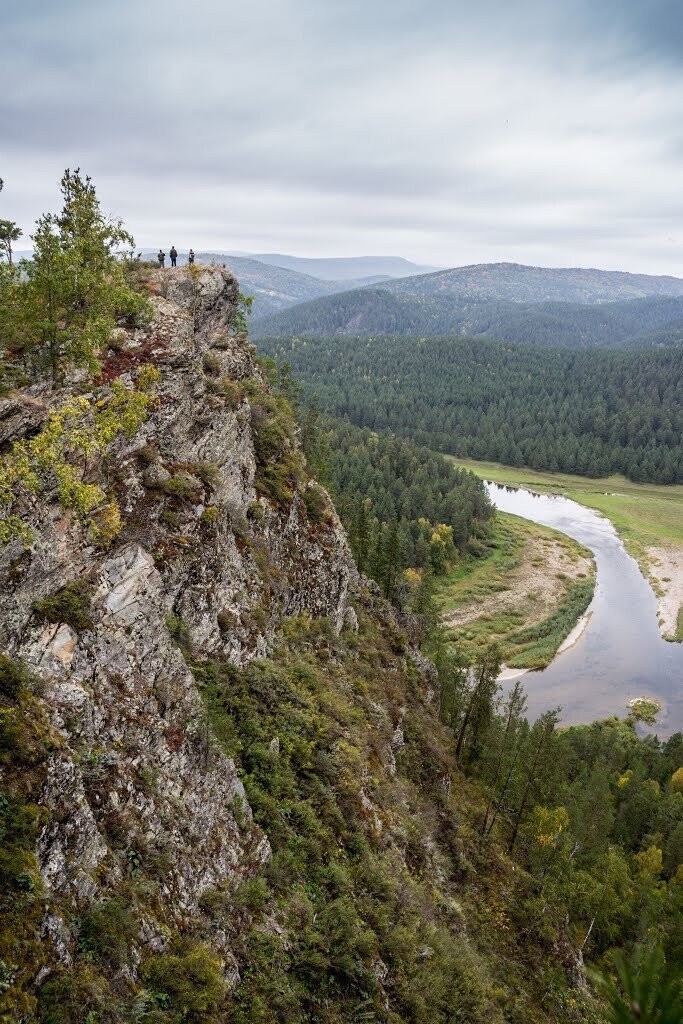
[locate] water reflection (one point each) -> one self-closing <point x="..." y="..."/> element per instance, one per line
<point x="621" y="654"/>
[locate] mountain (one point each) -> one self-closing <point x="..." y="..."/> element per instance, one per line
<point x="375" y="310"/>
<point x="518" y="283"/>
<point x="347" y="268"/>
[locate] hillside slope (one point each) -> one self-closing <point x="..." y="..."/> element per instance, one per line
<point x="519" y="283"/>
<point x="633" y="323"/>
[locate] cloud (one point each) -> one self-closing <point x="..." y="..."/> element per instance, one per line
<point x="444" y="131"/>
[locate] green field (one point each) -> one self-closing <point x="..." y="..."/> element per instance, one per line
<point x="501" y="594"/>
<point x="645" y="515"/>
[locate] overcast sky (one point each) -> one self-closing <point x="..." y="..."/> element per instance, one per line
<point x="450" y="132"/>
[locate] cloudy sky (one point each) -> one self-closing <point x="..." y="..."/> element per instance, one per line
<point x="447" y="131"/>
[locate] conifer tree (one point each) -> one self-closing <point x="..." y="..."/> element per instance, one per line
<point x="74" y="287"/>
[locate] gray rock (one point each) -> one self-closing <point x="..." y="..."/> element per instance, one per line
<point x="138" y="785"/>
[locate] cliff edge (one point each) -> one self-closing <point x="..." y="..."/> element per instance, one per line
<point x="217" y="545"/>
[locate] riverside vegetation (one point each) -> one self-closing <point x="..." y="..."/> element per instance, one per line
<point x="647" y="517"/>
<point x="403" y="845"/>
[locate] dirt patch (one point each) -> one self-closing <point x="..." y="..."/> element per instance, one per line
<point x="536" y="586"/>
<point x="666" y="576"/>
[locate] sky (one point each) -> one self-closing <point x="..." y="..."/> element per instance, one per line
<point x="547" y="132"/>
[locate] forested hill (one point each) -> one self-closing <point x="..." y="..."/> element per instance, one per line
<point x="630" y="323"/>
<point x="520" y="283"/>
<point x="594" y="413"/>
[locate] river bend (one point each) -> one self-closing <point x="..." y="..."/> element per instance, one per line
<point x="621" y="653"/>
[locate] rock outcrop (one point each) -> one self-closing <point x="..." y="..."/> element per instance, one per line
<point x="206" y="561"/>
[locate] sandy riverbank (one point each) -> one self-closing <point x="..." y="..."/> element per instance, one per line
<point x="666" y="576"/>
<point x="543" y="569"/>
<point x="529" y="581"/>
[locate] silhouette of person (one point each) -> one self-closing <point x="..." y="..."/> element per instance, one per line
<point x="161" y="257"/>
<point x="190" y="257"/>
<point x="174" y="255"/>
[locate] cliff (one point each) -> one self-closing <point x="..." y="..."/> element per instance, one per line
<point x="226" y="794"/>
<point x="132" y="775"/>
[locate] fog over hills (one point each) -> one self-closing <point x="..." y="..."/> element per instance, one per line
<point x="346" y="268"/>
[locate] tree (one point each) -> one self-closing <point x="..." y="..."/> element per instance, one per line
<point x="75" y="287"/>
<point x="515" y="707"/>
<point x="644" y="991"/>
<point x="479" y="708"/>
<point x="9" y="233"/>
<point x="539" y="740"/>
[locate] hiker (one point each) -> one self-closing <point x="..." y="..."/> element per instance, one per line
<point x="190" y="256"/>
<point x="161" y="257"/>
<point x="174" y="255"/>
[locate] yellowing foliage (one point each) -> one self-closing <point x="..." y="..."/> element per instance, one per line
<point x="73" y="434"/>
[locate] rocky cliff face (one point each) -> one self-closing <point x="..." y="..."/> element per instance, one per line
<point x="207" y="558"/>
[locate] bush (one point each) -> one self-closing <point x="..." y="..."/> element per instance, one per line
<point x="231" y="392"/>
<point x="188" y="982"/>
<point x="15" y="678"/>
<point x="210" y="515"/>
<point x="107" y="931"/>
<point x="70" y="605"/>
<point x="179" y="631"/>
<point x="75" y="995"/>
<point x="316" y="504"/>
<point x="211" y="363"/>
<point x="182" y="486"/>
<point x="227" y="620"/>
<point x="209" y="473"/>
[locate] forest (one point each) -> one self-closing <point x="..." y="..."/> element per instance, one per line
<point x="633" y="323"/>
<point x="594" y="413"/>
<point x="403" y="507"/>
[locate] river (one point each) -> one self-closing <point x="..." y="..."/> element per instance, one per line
<point x="621" y="653"/>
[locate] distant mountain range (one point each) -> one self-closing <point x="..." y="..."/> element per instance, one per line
<point x="518" y="283"/>
<point x="346" y="268"/>
<point x="509" y="302"/>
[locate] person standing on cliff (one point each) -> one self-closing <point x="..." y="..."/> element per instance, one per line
<point x="190" y="257"/>
<point x="174" y="255"/>
<point x="161" y="258"/>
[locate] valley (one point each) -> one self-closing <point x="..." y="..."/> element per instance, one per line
<point x="647" y="517"/>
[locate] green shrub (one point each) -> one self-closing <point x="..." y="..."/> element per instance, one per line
<point x="71" y="605"/>
<point x="187" y="982"/>
<point x="209" y="473"/>
<point x="210" y="515"/>
<point x="231" y="392"/>
<point x="107" y="932"/>
<point x="76" y="995"/>
<point x="182" y="486"/>
<point x="316" y="504"/>
<point x="211" y="363"/>
<point x="179" y="631"/>
<point x="15" y="678"/>
<point x="169" y="517"/>
<point x="148" y="454"/>
<point x="252" y="895"/>
<point x="227" y="620"/>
